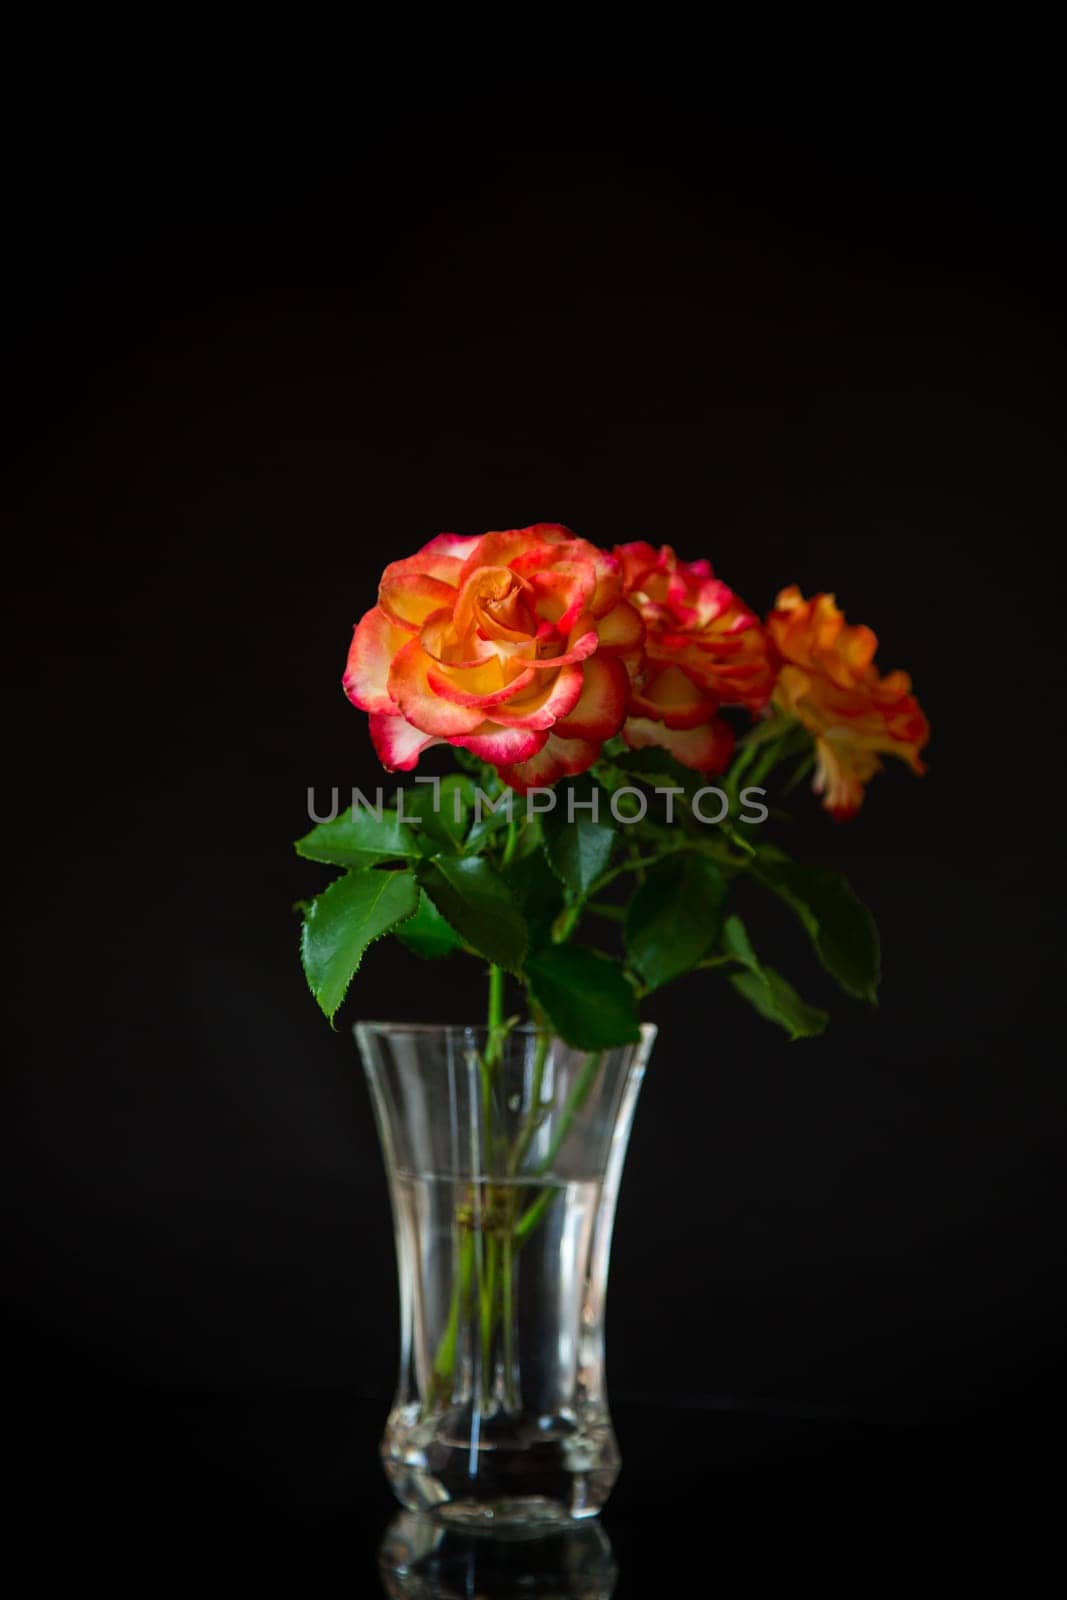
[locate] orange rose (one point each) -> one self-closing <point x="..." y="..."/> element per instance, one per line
<point x="829" y="682"/>
<point x="510" y="645"/>
<point x="703" y="649"/>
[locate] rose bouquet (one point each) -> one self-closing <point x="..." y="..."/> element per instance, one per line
<point x="602" y="791"/>
<point x="618" y="720"/>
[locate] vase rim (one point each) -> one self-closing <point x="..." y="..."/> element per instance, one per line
<point x="466" y="1029"/>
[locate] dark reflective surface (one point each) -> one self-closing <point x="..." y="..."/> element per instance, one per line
<point x="421" y="1560"/>
<point x="136" y="1484"/>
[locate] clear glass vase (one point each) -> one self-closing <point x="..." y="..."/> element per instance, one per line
<point x="504" y="1153"/>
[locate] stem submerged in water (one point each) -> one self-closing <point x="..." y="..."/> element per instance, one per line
<point x="490" y="1232"/>
<point x="536" y="1110"/>
<point x="575" y="1101"/>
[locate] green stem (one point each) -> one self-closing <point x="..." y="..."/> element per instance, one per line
<point x="803" y="768"/>
<point x="486" y="1307"/>
<point x="610" y="913"/>
<point x="511" y="839"/>
<point x="575" y="1101"/>
<point x="444" y="1362"/>
<point x="535" y="1111"/>
<point x="507" y="1313"/>
<point x="635" y="864"/>
<point x="496" y="1008"/>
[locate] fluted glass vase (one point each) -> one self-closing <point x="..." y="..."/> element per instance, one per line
<point x="504" y="1150"/>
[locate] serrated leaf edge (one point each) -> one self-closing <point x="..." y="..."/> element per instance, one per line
<point x="330" y="1015"/>
<point x="516" y="970"/>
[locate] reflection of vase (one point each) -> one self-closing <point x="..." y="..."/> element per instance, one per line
<point x="421" y="1560"/>
<point x="504" y="1154"/>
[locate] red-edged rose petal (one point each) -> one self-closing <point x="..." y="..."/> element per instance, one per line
<point x="375" y="642"/>
<point x="500" y="549"/>
<point x="427" y="564"/>
<point x="493" y="743"/>
<point x="563" y="593"/>
<point x="705" y="749"/>
<point x="450" y="546"/>
<point x="411" y="691"/>
<point x="672" y="698"/>
<point x="607" y="588"/>
<point x="410" y="597"/>
<point x="601" y="706"/>
<point x="397" y="743"/>
<point x="578" y="650"/>
<point x="460" y="686"/>
<point x="559" y="758"/>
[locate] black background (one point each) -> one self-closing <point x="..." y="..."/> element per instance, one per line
<point x="241" y="385"/>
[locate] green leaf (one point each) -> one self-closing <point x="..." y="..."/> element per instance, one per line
<point x="427" y="933"/>
<point x="473" y="897"/>
<point x="675" y="916"/>
<point x="659" y="769"/>
<point x="778" y="1001"/>
<point x="838" y="923"/>
<point x="442" y="826"/>
<point x="489" y="820"/>
<point x="479" y="770"/>
<point x="346" y="918"/>
<point x="578" y="851"/>
<point x="736" y="942"/>
<point x="359" y="840"/>
<point x="538" y="892"/>
<point x="767" y="990"/>
<point x="585" y="997"/>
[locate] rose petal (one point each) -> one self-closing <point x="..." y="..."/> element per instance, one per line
<point x="705" y="749"/>
<point x="410" y="689"/>
<point x="488" y="595"/>
<point x="558" y="758"/>
<point x="375" y="642"/>
<point x="601" y="706"/>
<point x="670" y="697"/>
<point x="426" y="564"/>
<point x="829" y="683"/>
<point x="562" y="594"/>
<point x="493" y="743"/>
<point x="638" y="560"/>
<point x="578" y="650"/>
<point x="462" y="686"/>
<point x="607" y="569"/>
<point x="546" y="704"/>
<point x="397" y="743"/>
<point x="501" y="549"/>
<point x="621" y="630"/>
<point x="439" y="639"/>
<point x="410" y="597"/>
<point x="455" y="546"/>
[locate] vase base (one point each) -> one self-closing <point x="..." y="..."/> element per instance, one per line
<point x="565" y="1497"/>
<point x="515" y="1515"/>
<point x="522" y="1471"/>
